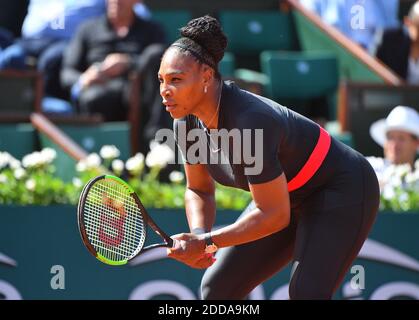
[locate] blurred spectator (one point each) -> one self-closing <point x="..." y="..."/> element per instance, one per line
<point x="142" y="11"/>
<point x="360" y="20"/>
<point x="398" y="134"/>
<point x="6" y="38"/>
<point x="99" y="58"/>
<point x="399" y="48"/>
<point x="46" y="30"/>
<point x="12" y="14"/>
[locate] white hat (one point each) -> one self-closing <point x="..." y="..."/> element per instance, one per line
<point x="400" y="118"/>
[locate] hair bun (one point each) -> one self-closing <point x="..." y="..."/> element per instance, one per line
<point x="207" y="32"/>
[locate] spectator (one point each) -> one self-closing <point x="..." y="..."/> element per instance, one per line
<point x="6" y="38"/>
<point x="12" y="14"/>
<point x="399" y="47"/>
<point x="46" y="30"/>
<point x="398" y="134"/>
<point x="99" y="58"/>
<point x="360" y="26"/>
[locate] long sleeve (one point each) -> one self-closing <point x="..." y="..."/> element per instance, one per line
<point x="74" y="61"/>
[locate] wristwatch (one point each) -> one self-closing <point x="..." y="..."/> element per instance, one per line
<point x="210" y="246"/>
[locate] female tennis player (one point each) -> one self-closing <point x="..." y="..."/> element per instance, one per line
<point x="314" y="198"/>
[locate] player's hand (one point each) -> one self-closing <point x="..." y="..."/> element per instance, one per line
<point x="190" y="249"/>
<point x="115" y="64"/>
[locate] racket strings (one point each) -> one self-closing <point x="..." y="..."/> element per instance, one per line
<point x="112" y="229"/>
<point x="113" y="221"/>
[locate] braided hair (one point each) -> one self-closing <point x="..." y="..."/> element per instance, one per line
<point x="204" y="40"/>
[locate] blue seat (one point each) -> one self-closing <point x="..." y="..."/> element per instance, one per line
<point x="250" y="32"/>
<point x="300" y="75"/>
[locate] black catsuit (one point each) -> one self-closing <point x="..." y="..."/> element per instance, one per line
<point x="331" y="214"/>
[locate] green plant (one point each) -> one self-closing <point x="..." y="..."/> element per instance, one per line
<point x="399" y="185"/>
<point x="32" y="181"/>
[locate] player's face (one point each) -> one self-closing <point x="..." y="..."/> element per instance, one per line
<point x="400" y="147"/>
<point x="181" y="83"/>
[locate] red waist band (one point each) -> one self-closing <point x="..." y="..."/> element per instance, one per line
<point x="313" y="163"/>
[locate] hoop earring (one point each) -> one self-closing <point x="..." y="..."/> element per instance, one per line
<point x="205" y="89"/>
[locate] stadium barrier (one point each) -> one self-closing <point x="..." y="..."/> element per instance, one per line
<point x="42" y="257"/>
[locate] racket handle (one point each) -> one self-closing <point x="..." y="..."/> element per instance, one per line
<point x="170" y="242"/>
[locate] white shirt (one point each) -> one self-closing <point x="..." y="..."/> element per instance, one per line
<point x="380" y="165"/>
<point x="390" y="176"/>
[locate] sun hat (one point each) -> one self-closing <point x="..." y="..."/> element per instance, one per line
<point x="401" y="118"/>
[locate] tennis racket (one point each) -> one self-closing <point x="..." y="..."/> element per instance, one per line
<point x="113" y="222"/>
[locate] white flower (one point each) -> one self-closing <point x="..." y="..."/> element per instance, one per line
<point x="402" y="169"/>
<point x="159" y="156"/>
<point x="153" y="144"/>
<point x="93" y="160"/>
<point x="48" y="155"/>
<point x="33" y="160"/>
<point x="403" y="197"/>
<point x="3" y="178"/>
<point x="176" y="176"/>
<point x="109" y="152"/>
<point x="14" y="164"/>
<point x="376" y="162"/>
<point x="412" y="177"/>
<point x="388" y="192"/>
<point x="135" y="164"/>
<point x="117" y="166"/>
<point x="81" y="166"/>
<point x="30" y="185"/>
<point x="77" y="182"/>
<point x="395" y="181"/>
<point x="4" y="159"/>
<point x="389" y="171"/>
<point x="19" y="173"/>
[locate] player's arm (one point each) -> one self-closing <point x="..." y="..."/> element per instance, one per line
<point x="272" y="214"/>
<point x="199" y="198"/>
<point x="200" y="212"/>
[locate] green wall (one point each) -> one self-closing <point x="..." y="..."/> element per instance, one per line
<point x="34" y="241"/>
